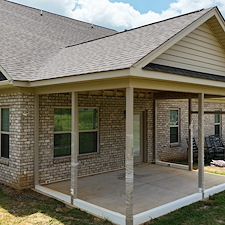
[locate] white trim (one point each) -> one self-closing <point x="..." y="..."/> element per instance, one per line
<point x="173" y="165"/>
<point x="101" y="212"/>
<point x="166" y="208"/>
<point x="7" y="76"/>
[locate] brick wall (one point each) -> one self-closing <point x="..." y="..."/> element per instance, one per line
<point x="18" y="170"/>
<point x="111" y="136"/>
<point x="167" y="152"/>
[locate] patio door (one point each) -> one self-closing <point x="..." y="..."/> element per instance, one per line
<point x="138" y="137"/>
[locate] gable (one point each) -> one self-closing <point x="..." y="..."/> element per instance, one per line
<point x="199" y="51"/>
<point x="2" y="77"/>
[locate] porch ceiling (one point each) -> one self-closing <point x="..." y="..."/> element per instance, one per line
<point x="154" y="186"/>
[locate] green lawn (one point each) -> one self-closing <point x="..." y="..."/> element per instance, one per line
<point x="210" y="212"/>
<point x="28" y="207"/>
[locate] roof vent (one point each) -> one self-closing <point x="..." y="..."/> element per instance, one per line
<point x="41" y="13"/>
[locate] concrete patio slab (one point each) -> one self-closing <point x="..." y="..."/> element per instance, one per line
<point x="154" y="186"/>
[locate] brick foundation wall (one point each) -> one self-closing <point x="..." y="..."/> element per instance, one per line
<point x="111" y="136"/>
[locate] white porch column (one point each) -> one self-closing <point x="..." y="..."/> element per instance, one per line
<point x="201" y="181"/>
<point x="74" y="145"/>
<point x="36" y="139"/>
<point x="155" y="131"/>
<point x="129" y="155"/>
<point x="190" y="136"/>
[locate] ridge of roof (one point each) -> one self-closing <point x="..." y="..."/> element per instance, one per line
<point x="150" y="24"/>
<point x="57" y="15"/>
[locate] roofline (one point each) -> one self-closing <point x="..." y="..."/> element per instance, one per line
<point x="177" y="37"/>
<point x="7" y="76"/>
<point x="118" y="33"/>
<point x="91" y="24"/>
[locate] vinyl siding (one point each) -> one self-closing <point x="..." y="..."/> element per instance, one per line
<point x="199" y="51"/>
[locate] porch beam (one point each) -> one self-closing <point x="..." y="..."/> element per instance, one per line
<point x="36" y="140"/>
<point x="74" y="146"/>
<point x="129" y="155"/>
<point x="201" y="180"/>
<point x="190" y="136"/>
<point x="209" y="112"/>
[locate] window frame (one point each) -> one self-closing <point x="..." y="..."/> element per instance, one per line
<point x="4" y="132"/>
<point x="93" y="130"/>
<point x="83" y="131"/>
<point x="60" y="132"/>
<point x="178" y="127"/>
<point x="218" y="124"/>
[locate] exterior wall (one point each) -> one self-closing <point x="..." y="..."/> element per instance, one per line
<point x="198" y="51"/>
<point x="168" y="152"/>
<point x="17" y="171"/>
<point x="111" y="136"/>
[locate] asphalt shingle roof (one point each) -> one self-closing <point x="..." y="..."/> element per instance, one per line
<point x="115" y="52"/>
<point x="33" y="47"/>
<point x="28" y="40"/>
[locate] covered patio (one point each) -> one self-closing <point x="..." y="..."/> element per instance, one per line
<point x="157" y="190"/>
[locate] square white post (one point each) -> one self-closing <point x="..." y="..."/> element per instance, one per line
<point x="74" y="146"/>
<point x="190" y="136"/>
<point x="201" y="181"/>
<point x="129" y="158"/>
<point x="155" y="131"/>
<point x="36" y="139"/>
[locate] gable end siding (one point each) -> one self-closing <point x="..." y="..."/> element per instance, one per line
<point x="199" y="51"/>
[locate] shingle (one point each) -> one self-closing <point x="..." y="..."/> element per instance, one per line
<point x="28" y="40"/>
<point x="33" y="47"/>
<point x="115" y="52"/>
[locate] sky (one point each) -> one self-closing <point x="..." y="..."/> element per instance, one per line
<point x="122" y="14"/>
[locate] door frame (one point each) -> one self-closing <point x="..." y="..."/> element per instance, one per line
<point x="142" y="157"/>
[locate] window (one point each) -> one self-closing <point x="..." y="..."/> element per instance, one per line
<point x="217" y="124"/>
<point x="88" y="131"/>
<point x="62" y="132"/>
<point x="174" y="126"/>
<point x="4" y="132"/>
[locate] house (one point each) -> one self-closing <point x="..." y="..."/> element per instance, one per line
<point x="78" y="99"/>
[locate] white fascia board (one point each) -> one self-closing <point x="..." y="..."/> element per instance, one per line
<point x="7" y="76"/>
<point x="220" y="19"/>
<point x="172" y="41"/>
<point x="162" y="76"/>
<point x="81" y="78"/>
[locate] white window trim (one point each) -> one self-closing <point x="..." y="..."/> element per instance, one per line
<point x="220" y="123"/>
<point x="178" y="126"/>
<point x="80" y="131"/>
<point x="3" y="159"/>
<point x="92" y="130"/>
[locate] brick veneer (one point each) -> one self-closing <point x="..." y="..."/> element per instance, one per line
<point x="165" y="151"/>
<point x="18" y="170"/>
<point x="111" y="136"/>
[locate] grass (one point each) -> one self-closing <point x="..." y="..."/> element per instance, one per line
<point x="28" y="207"/>
<point x="210" y="212"/>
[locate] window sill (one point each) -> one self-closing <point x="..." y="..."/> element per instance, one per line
<point x="62" y="159"/>
<point x="4" y="161"/>
<point x="88" y="155"/>
<point x="175" y="145"/>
